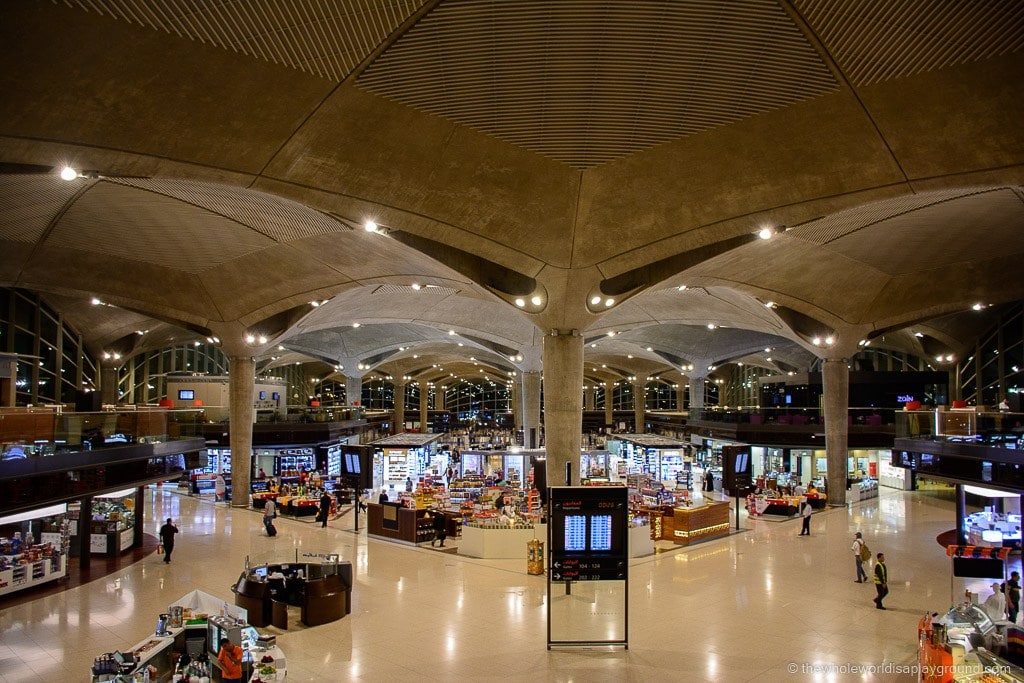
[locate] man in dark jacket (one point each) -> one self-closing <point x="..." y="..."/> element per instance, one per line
<point x="167" y="532"/>
<point x="440" y="529"/>
<point x="325" y="509"/>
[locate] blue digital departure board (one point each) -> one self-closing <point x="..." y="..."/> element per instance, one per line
<point x="600" y="533"/>
<point x="575" y="533"/>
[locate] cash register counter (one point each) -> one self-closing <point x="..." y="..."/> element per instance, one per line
<point x="161" y="652"/>
<point x="695" y="524"/>
<point x="267" y="591"/>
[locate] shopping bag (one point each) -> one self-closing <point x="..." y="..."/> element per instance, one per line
<point x="160" y="549"/>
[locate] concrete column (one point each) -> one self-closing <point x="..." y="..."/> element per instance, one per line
<point x="639" y="406"/>
<point x="140" y="516"/>
<point x="241" y="380"/>
<point x="517" y="406"/>
<point x="398" y="423"/>
<point x="108" y="384"/>
<point x="609" y="405"/>
<point x="354" y="390"/>
<point x="563" y="406"/>
<point x="440" y="402"/>
<point x="680" y="396"/>
<point x="835" y="377"/>
<point x="424" y="412"/>
<point x="588" y="398"/>
<point x="531" y="409"/>
<point x="696" y="394"/>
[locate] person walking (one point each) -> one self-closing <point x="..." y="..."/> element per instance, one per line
<point x="230" y="658"/>
<point x="440" y="528"/>
<point x="805" y="512"/>
<point x="859" y="552"/>
<point x="269" y="513"/>
<point x="325" y="509"/>
<point x="1013" y="596"/>
<point x="167" y="532"/>
<point x="881" y="580"/>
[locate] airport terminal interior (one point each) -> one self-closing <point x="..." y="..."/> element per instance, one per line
<point x="707" y="220"/>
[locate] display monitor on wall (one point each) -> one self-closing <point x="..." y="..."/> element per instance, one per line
<point x="186" y="395"/>
<point x="275" y="396"/>
<point x="263" y="396"/>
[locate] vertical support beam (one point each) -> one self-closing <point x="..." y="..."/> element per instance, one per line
<point x="398" y="423"/>
<point x="241" y="382"/>
<point x="696" y="395"/>
<point x="140" y="516"/>
<point x="108" y="384"/>
<point x="563" y="405"/>
<point x="531" y="410"/>
<point x="961" y="512"/>
<point x="424" y="412"/>
<point x="609" y="404"/>
<point x="680" y="396"/>
<point x="84" y="533"/>
<point x="639" y="405"/>
<point x="836" y="385"/>
<point x="353" y="390"/>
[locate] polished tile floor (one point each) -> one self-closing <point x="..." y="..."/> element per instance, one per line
<point x="753" y="607"/>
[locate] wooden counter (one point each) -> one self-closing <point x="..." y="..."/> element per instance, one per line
<point x="398" y="523"/>
<point x="692" y="525"/>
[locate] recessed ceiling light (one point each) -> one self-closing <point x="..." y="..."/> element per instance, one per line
<point x="68" y="173"/>
<point x="520" y="302"/>
<point x="766" y="232"/>
<point x="536" y="301"/>
<point x="595" y="300"/>
<point x="370" y="226"/>
<point x="711" y="326"/>
<point x="608" y="303"/>
<point x="357" y="324"/>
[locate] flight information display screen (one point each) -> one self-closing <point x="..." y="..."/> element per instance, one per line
<point x="575" y="533"/>
<point x="600" y="532"/>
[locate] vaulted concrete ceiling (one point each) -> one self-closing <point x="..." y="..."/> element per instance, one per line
<point x="595" y="155"/>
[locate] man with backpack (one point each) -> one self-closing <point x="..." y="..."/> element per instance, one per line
<point x="861" y="554"/>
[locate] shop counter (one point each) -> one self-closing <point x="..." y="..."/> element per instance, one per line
<point x="298" y="506"/>
<point x="496" y="543"/>
<point x="396" y="522"/>
<point x="323" y="595"/>
<point x="692" y="525"/>
<point x="778" y="506"/>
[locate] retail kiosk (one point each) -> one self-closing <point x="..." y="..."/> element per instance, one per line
<point x="404" y="456"/>
<point x="663" y="458"/>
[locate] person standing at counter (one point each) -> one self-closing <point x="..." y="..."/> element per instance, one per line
<point x="858" y="550"/>
<point x="230" y="658"/>
<point x="383" y="497"/>
<point x="440" y="531"/>
<point x="881" y="580"/>
<point x="805" y="512"/>
<point x="325" y="509"/>
<point x="1013" y="596"/>
<point x="167" y="532"/>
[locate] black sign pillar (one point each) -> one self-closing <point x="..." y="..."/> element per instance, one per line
<point x="588" y="542"/>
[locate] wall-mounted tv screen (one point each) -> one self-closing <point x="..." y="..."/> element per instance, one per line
<point x="275" y="396"/>
<point x="186" y="395"/>
<point x="263" y="396"/>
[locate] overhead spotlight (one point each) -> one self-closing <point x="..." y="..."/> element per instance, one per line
<point x="96" y="302"/>
<point x="595" y="300"/>
<point x="520" y="302"/>
<point x="611" y="333"/>
<point x="681" y="288"/>
<point x="609" y="302"/>
<point x="370" y="226"/>
<point x="249" y="339"/>
<point x="196" y="343"/>
<point x="816" y="341"/>
<point x="357" y="324"/>
<point x="769" y="304"/>
<point x="766" y="232"/>
<point x="106" y="355"/>
<point x="416" y="286"/>
<point x="451" y="333"/>
<point x="949" y="358"/>
<point x="711" y="326"/>
<point x="314" y="304"/>
<point x="938" y="359"/>
<point x="650" y="348"/>
<point x="862" y="342"/>
<point x="263" y="340"/>
<point x="536" y="300"/>
<point x="829" y="340"/>
<point x="216" y="340"/>
<point x="918" y="334"/>
<point x="68" y="173"/>
<point x="593" y="346"/>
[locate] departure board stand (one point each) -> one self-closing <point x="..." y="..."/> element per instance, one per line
<point x="588" y="543"/>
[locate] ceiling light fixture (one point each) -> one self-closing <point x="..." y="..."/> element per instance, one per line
<point x="978" y="306"/>
<point x="68" y="173"/>
<point x="357" y="324"/>
<point x="608" y="303"/>
<point x="766" y="232"/>
<point x="536" y="301"/>
<point x="520" y="302"/>
<point x="711" y="326"/>
<point x="416" y="286"/>
<point x="595" y="300"/>
<point x="370" y="226"/>
<point x="816" y="341"/>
